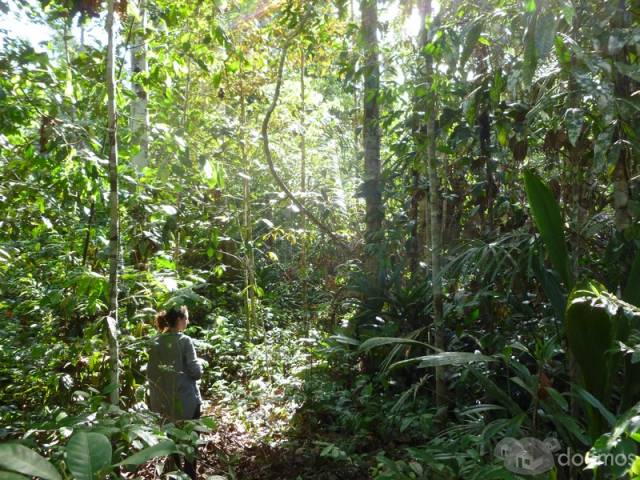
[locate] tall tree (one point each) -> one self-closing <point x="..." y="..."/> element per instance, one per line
<point x="139" y="108"/>
<point x="114" y="231"/>
<point x="427" y="147"/>
<point x="622" y="91"/>
<point x="247" y="230"/>
<point x="303" y="189"/>
<point x="371" y="131"/>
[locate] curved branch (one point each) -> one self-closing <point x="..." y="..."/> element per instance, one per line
<point x="267" y="153"/>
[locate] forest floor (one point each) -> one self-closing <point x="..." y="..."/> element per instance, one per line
<point x="235" y="452"/>
<point x="266" y="431"/>
<point x="263" y="451"/>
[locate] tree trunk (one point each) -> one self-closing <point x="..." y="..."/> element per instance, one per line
<point x="434" y="208"/>
<point x="247" y="230"/>
<point x="413" y="244"/>
<point x="371" y="134"/>
<point x="622" y="90"/>
<point x="139" y="110"/>
<point x="303" y="190"/>
<point x="114" y="247"/>
<point x="483" y="120"/>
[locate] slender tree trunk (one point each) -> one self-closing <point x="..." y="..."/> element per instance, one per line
<point x="371" y="134"/>
<point x="355" y="114"/>
<point x="303" y="190"/>
<point x="139" y="109"/>
<point x="87" y="237"/>
<point x="247" y="230"/>
<point x="434" y="208"/>
<point x="413" y="245"/>
<point x="483" y="120"/>
<point x="114" y="233"/>
<point x="622" y="90"/>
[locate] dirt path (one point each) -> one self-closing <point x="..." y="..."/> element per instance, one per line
<point x="234" y="453"/>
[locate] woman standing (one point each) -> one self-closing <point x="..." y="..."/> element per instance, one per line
<point x="173" y="370"/>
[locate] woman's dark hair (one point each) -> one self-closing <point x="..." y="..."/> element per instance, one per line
<point x="169" y="318"/>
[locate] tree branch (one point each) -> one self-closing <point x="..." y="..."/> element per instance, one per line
<point x="267" y="153"/>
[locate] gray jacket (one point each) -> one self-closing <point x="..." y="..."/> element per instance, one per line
<point x="172" y="372"/>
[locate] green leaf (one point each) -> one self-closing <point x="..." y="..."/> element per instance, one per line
<point x="381" y="341"/>
<point x="162" y="449"/>
<point x="168" y="209"/>
<point x="443" y="359"/>
<point x="530" y="6"/>
<point x="551" y="286"/>
<point x="574" y="119"/>
<point x="568" y="12"/>
<point x="87" y="454"/>
<point x="601" y="146"/>
<point x="453" y="358"/>
<point x="630" y="71"/>
<point x="632" y="289"/>
<point x="497" y="86"/>
<point x="20" y="459"/>
<point x="597" y="404"/>
<point x="572" y="426"/>
<point x="344" y="340"/>
<point x="496" y="392"/>
<point x="68" y="89"/>
<point x="546" y="215"/>
<point x="4" y="475"/>
<point x="470" y="41"/>
<point x="530" y="55"/>
<point x="202" y="64"/>
<point x="503" y="133"/>
<point x="545" y="33"/>
<point x="591" y="334"/>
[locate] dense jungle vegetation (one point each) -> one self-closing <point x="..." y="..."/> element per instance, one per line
<point x="406" y="231"/>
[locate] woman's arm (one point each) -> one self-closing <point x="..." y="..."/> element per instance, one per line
<point x="192" y="366"/>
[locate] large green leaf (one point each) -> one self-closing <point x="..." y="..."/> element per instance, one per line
<point x="381" y="341"/>
<point x="530" y="57"/>
<point x="591" y="334"/>
<point x="496" y="392"/>
<point x="546" y="25"/>
<point x="551" y="286"/>
<point x="452" y="358"/>
<point x="164" y="448"/>
<point x="597" y="404"/>
<point x="632" y="288"/>
<point x="470" y="41"/>
<point x="573" y="120"/>
<point x="4" y="475"/>
<point x="87" y="454"/>
<point x="20" y="459"/>
<point x="593" y="328"/>
<point x="443" y="359"/>
<point x="546" y="215"/>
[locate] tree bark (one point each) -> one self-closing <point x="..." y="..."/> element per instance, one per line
<point x="139" y="109"/>
<point x="371" y="134"/>
<point x="114" y="231"/>
<point x="429" y="149"/>
<point x="247" y="230"/>
<point x="303" y="190"/>
<point x="483" y="120"/>
<point x="622" y="90"/>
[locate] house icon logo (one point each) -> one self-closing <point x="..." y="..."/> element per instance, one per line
<point x="527" y="456"/>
